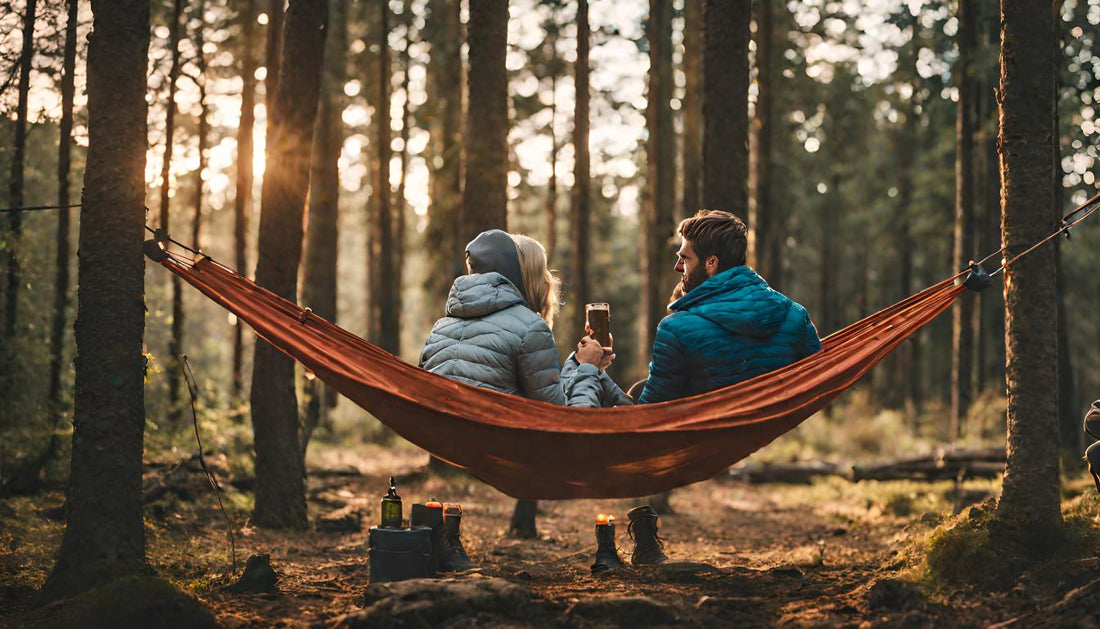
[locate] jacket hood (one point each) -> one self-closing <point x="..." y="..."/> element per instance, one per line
<point x="739" y="301"/>
<point x="481" y="294"/>
<point x="494" y="250"/>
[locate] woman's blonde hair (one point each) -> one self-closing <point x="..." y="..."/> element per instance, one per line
<point x="540" y="284"/>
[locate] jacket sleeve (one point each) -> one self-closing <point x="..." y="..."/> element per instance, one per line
<point x="539" y="375"/>
<point x="813" y="343"/>
<point x="668" y="374"/>
<point x="581" y="390"/>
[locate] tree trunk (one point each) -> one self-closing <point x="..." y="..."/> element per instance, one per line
<point x="660" y="199"/>
<point x="763" y="213"/>
<point x="272" y="48"/>
<point x="15" y="182"/>
<point x="104" y="533"/>
<point x="962" y="315"/>
<point x="1029" y="504"/>
<point x="400" y="205"/>
<point x="387" y="314"/>
<point x="204" y="122"/>
<point x="61" y="282"/>
<point x="175" y="339"/>
<point x="552" y="185"/>
<point x="443" y="29"/>
<point x="322" y="236"/>
<point x="485" y="196"/>
<point x="581" y="196"/>
<point x="692" y="157"/>
<point x="280" y="490"/>
<point x="725" y="105"/>
<point x="242" y="202"/>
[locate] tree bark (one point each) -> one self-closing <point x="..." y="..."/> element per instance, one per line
<point x="389" y="335"/>
<point x="204" y="123"/>
<point x="725" y="105"/>
<point x="692" y="157"/>
<point x="763" y="214"/>
<point x="319" y="287"/>
<point x="962" y="315"/>
<point x="175" y="339"/>
<point x="660" y="199"/>
<point x="484" y="197"/>
<point x="15" y="182"/>
<point x="401" y="207"/>
<point x="581" y="195"/>
<point x="61" y="281"/>
<point x="443" y="29"/>
<point x="1030" y="502"/>
<point x="104" y="533"/>
<point x="552" y="185"/>
<point x="242" y="202"/>
<point x="280" y="491"/>
<point x="272" y="49"/>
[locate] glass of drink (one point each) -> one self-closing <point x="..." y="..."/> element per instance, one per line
<point x="598" y="317"/>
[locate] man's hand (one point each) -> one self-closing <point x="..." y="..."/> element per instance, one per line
<point x="590" y="352"/>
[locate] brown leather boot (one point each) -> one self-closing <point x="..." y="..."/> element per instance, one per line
<point x="643" y="530"/>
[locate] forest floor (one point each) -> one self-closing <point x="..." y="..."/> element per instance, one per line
<point x="832" y="553"/>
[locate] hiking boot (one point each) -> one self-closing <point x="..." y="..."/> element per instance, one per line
<point x="643" y="530"/>
<point x="1092" y="456"/>
<point x="453" y="555"/>
<point x="607" y="554"/>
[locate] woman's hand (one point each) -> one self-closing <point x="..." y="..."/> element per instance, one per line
<point x="590" y="352"/>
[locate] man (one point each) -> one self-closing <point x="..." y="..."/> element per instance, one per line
<point x="729" y="325"/>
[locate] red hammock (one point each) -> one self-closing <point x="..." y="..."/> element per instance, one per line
<point x="535" y="450"/>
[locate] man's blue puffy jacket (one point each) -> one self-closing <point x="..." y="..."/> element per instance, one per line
<point x="728" y="329"/>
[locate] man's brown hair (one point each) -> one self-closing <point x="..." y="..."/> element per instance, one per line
<point x="717" y="233"/>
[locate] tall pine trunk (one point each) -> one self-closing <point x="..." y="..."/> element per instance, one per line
<point x="962" y="315"/>
<point x="384" y="298"/>
<point x="204" y="122"/>
<point x="15" y="181"/>
<point x="581" y="197"/>
<point x="726" y="105"/>
<point x="1030" y="503"/>
<point x="63" y="253"/>
<point x="763" y="213"/>
<point x="485" y="195"/>
<point x="692" y="140"/>
<point x="552" y="185"/>
<point x="242" y="201"/>
<point x="322" y="235"/>
<point x="400" y="205"/>
<point x="104" y="530"/>
<point x="443" y="30"/>
<point x="660" y="199"/>
<point x="174" y="375"/>
<point x="280" y="487"/>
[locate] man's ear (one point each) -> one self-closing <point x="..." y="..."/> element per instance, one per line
<point x="711" y="266"/>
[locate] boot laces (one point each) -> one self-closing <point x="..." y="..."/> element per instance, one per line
<point x="630" y="528"/>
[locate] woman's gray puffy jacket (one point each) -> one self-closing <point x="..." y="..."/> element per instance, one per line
<point x="491" y="339"/>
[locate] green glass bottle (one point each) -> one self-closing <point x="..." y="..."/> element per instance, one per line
<point x="391" y="508"/>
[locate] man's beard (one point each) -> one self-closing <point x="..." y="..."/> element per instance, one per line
<point x="697" y="276"/>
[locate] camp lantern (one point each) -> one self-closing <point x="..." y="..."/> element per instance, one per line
<point x="391" y="508"/>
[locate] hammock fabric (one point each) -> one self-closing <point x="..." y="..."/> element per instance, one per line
<point x="535" y="450"/>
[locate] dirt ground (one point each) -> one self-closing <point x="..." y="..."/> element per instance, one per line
<point x="828" y="554"/>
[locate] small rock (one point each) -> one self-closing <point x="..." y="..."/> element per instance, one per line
<point x="894" y="594"/>
<point x="430" y="602"/>
<point x="346" y="520"/>
<point x="627" y="610"/>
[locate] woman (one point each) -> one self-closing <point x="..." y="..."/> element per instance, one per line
<point x="496" y="334"/>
